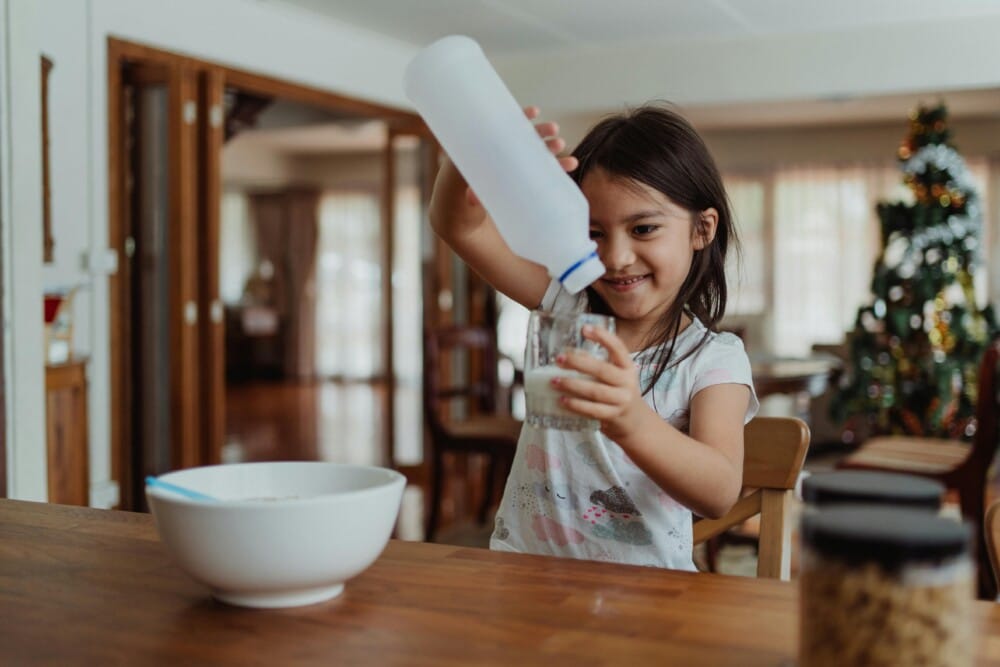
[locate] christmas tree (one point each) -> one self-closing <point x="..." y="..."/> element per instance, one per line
<point x="915" y="350"/>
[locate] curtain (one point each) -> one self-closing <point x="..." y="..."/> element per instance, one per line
<point x="986" y="174"/>
<point x="285" y="230"/>
<point x="825" y="241"/>
<point x="746" y="272"/>
<point x="267" y="215"/>
<point x="349" y="286"/>
<point x="301" y="232"/>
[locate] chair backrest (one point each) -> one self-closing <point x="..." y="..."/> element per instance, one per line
<point x="473" y="379"/>
<point x="774" y="449"/>
<point x="984" y="442"/>
<point x="991" y="532"/>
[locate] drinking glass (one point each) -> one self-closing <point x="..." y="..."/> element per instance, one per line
<point x="550" y="334"/>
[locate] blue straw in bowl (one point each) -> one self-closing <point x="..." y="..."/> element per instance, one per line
<point x="180" y="490"/>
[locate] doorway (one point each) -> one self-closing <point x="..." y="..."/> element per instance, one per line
<point x="302" y="245"/>
<point x="168" y="121"/>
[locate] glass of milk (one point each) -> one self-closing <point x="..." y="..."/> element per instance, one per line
<point x="550" y="334"/>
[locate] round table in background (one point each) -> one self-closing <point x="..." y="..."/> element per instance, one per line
<point x="802" y="378"/>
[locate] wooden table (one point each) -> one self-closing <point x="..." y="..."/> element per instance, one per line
<point x="95" y="587"/>
<point x="802" y="379"/>
<point x="779" y="375"/>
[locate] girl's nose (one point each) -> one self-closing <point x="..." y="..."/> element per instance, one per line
<point x="617" y="254"/>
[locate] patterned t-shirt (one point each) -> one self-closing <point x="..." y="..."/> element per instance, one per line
<point x="578" y="495"/>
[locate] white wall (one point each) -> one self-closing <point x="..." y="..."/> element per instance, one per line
<point x="253" y="36"/>
<point x="343" y="171"/>
<point x="740" y="149"/>
<point x="949" y="54"/>
<point x="248" y="164"/>
<point x="21" y="214"/>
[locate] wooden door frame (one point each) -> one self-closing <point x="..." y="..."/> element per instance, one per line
<point x="213" y="79"/>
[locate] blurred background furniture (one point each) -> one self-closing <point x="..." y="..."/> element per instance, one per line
<point x="991" y="532"/>
<point x="801" y="378"/>
<point x="460" y="406"/>
<point x="255" y="342"/>
<point x="67" y="432"/>
<point x="774" y="450"/>
<point x="962" y="467"/>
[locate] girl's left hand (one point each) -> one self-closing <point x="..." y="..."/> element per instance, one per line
<point x="611" y="394"/>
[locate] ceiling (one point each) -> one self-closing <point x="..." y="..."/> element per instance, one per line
<point x="512" y="26"/>
<point x="520" y="28"/>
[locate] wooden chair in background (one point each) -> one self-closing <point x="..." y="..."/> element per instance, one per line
<point x="480" y="428"/>
<point x="991" y="531"/>
<point x="774" y="449"/>
<point x="960" y="466"/>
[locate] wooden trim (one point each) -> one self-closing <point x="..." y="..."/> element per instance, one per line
<point x="182" y="128"/>
<point x="48" y="244"/>
<point x="266" y="85"/>
<point x="260" y="84"/>
<point x="118" y="285"/>
<point x="388" y="246"/>
<point x="213" y="347"/>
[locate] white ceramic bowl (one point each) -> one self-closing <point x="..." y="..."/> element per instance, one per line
<point x="283" y="534"/>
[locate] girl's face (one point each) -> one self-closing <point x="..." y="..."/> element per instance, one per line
<point x="646" y="242"/>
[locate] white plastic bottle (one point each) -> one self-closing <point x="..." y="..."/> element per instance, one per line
<point x="538" y="209"/>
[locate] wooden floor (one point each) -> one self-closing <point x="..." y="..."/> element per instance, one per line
<point x="344" y="422"/>
<point x="310" y="421"/>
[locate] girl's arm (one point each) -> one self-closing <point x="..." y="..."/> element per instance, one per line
<point x="457" y="216"/>
<point x="703" y="470"/>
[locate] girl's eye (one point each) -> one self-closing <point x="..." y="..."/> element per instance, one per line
<point x="643" y="230"/>
<point x="596" y="234"/>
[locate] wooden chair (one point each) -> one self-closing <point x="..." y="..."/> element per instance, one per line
<point x="774" y="449"/>
<point x="991" y="532"/>
<point x="482" y="430"/>
<point x="960" y="466"/>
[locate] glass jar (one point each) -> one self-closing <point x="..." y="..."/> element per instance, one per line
<point x="825" y="489"/>
<point x="885" y="586"/>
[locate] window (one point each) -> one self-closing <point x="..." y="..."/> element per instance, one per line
<point x="349" y="286"/>
<point x="237" y="246"/>
<point x="821" y="245"/>
<point x="746" y="274"/>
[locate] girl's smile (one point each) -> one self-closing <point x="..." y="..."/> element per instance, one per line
<point x="646" y="242"/>
<point x="625" y="283"/>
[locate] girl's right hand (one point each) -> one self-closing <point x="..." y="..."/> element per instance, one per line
<point x="550" y="133"/>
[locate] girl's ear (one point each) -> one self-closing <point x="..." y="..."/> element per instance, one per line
<point x="704" y="232"/>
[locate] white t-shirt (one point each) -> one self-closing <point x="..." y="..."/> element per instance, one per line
<point x="578" y="495"/>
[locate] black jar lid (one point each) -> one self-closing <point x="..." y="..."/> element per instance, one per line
<point x="870" y="487"/>
<point x="886" y="535"/>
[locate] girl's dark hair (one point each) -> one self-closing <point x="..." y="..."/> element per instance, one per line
<point x="654" y="145"/>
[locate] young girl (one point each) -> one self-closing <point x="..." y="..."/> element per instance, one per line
<point x="674" y="394"/>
